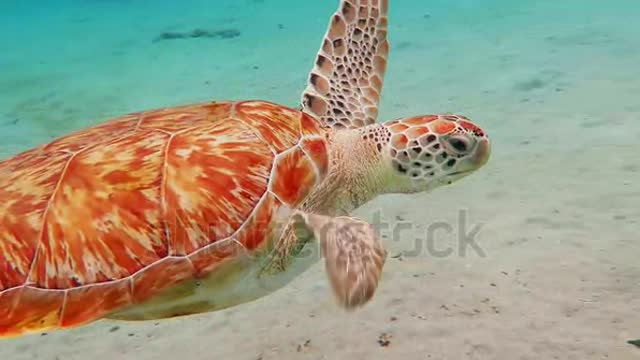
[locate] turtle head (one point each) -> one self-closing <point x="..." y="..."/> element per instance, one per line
<point x="424" y="152"/>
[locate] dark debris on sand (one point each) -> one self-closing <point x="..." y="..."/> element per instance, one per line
<point x="198" y="33"/>
<point x="384" y="340"/>
<point x="635" y="342"/>
<point x="304" y="346"/>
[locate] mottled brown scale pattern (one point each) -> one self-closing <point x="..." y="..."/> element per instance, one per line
<point x="345" y="84"/>
<point x="118" y="213"/>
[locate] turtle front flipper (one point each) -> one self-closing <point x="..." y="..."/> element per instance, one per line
<point x="345" y="84"/>
<point x="352" y="252"/>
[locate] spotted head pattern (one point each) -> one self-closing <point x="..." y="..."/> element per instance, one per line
<point x="432" y="146"/>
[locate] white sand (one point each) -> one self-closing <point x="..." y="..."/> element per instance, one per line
<point x="555" y="85"/>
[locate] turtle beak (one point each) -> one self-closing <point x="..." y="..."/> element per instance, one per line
<point x="482" y="153"/>
<point x="478" y="159"/>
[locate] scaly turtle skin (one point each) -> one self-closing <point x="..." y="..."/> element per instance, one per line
<point x="197" y="208"/>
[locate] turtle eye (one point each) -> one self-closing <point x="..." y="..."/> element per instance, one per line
<point x="460" y="145"/>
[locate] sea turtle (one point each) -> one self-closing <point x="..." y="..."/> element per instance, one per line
<point x="197" y="208"/>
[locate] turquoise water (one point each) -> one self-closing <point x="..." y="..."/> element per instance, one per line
<point x="555" y="83"/>
<point x="71" y="63"/>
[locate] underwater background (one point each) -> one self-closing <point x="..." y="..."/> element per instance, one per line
<point x="556" y="84"/>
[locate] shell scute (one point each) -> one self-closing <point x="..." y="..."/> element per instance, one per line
<point x="316" y="149"/>
<point x="184" y="117"/>
<point x="95" y="217"/>
<point x="279" y="126"/>
<point x="294" y="177"/>
<point x="79" y="140"/>
<point x="26" y="184"/>
<point x="309" y="126"/>
<point x="208" y="259"/>
<point x="30" y="309"/>
<point x="210" y="192"/>
<point x="161" y="276"/>
<point x="8" y="300"/>
<point x="257" y="228"/>
<point x="84" y="304"/>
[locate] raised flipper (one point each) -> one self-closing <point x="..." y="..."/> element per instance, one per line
<point x="345" y="84"/>
<point x="352" y="252"/>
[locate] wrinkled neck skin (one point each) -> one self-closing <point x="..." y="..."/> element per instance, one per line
<point x="356" y="174"/>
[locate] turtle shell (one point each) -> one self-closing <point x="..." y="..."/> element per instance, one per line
<point x="113" y="215"/>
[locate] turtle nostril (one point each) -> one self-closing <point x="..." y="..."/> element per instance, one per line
<point x="459" y="144"/>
